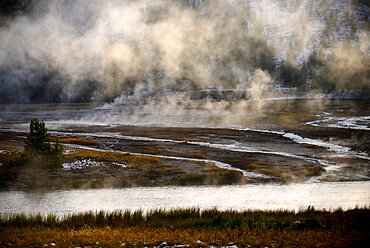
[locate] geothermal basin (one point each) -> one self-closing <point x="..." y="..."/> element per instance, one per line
<point x="287" y="155"/>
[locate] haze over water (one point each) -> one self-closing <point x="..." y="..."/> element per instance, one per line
<point x="329" y="196"/>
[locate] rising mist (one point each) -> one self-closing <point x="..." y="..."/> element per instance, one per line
<point x="82" y="51"/>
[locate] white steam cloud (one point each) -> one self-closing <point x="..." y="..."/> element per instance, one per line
<point x="99" y="49"/>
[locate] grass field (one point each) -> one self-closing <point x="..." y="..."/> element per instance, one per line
<point x="192" y="227"/>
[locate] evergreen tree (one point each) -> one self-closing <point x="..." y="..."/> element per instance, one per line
<point x="38" y="148"/>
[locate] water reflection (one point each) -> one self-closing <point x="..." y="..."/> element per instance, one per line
<point x="292" y="197"/>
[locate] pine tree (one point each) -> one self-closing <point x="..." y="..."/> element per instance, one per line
<point x="38" y="147"/>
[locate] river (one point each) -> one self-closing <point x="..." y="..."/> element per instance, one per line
<point x="326" y="195"/>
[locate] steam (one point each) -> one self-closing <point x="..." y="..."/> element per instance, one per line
<point x="139" y="50"/>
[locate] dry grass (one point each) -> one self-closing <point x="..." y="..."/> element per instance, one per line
<point x="140" y="237"/>
<point x="74" y="140"/>
<point x="139" y="170"/>
<point x="309" y="228"/>
<point x="10" y="158"/>
<point x="313" y="171"/>
<point x="256" y="165"/>
<point x="283" y="174"/>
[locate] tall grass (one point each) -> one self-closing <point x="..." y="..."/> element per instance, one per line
<point x="199" y="219"/>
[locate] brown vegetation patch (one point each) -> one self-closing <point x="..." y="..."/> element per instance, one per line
<point x="137" y="170"/>
<point x="308" y="228"/>
<point x="283" y="174"/>
<point x="74" y="140"/>
<point x="313" y="171"/>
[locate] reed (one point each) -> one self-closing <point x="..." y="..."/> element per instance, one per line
<point x="199" y="219"/>
<point x="191" y="227"/>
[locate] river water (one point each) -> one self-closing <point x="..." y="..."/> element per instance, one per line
<point x="326" y="195"/>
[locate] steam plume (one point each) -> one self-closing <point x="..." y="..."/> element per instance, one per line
<point x="84" y="50"/>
